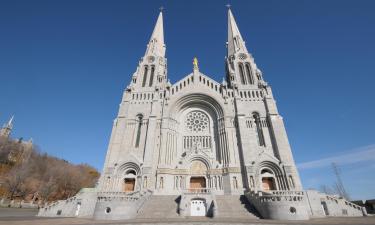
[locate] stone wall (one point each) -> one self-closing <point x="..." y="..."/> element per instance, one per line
<point x="119" y="206"/>
<point x="322" y="205"/>
<point x="301" y="205"/>
<point x="280" y="205"/>
<point x="81" y="205"/>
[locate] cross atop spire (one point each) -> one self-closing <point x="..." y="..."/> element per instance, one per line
<point x="235" y="40"/>
<point x="156" y="45"/>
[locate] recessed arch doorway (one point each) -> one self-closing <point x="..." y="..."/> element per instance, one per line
<point x="129" y="181"/>
<point x="268" y="180"/>
<point x="198" y="171"/>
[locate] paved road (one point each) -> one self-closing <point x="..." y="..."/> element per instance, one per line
<point x="27" y="217"/>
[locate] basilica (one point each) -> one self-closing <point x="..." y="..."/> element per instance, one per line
<point x="199" y="147"/>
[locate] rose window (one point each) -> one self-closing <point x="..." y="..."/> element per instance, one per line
<point x="196" y="121"/>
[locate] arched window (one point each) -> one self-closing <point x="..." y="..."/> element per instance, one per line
<point x="242" y="75"/>
<point x="152" y="76"/>
<point x="139" y="128"/>
<point x="145" y="76"/>
<point x="249" y="73"/>
<point x="259" y="130"/>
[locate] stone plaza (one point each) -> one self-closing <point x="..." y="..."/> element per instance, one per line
<point x="27" y="217"/>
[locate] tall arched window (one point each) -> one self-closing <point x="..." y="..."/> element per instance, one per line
<point x="242" y="75"/>
<point x="152" y="76"/>
<point x="139" y="128"/>
<point x="249" y="73"/>
<point x="145" y="76"/>
<point x="259" y="130"/>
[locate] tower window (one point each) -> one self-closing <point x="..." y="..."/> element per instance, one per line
<point x="139" y="128"/>
<point x="242" y="75"/>
<point x="152" y="76"/>
<point x="145" y="76"/>
<point x="259" y="131"/>
<point x="249" y="72"/>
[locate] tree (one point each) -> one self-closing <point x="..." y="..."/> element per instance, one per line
<point x="27" y="172"/>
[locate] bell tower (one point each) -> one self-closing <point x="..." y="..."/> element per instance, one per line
<point x="241" y="70"/>
<point x="152" y="68"/>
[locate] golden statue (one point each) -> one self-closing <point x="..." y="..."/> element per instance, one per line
<point x="195" y="63"/>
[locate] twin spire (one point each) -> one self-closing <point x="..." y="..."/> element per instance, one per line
<point x="235" y="41"/>
<point x="156" y="44"/>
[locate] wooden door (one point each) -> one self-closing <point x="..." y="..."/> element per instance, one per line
<point x="197" y="182"/>
<point x="129" y="184"/>
<point x="267" y="183"/>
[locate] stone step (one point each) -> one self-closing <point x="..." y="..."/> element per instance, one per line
<point x="235" y="206"/>
<point x="160" y="206"/>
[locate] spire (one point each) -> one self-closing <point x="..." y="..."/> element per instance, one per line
<point x="156" y="44"/>
<point x="235" y="41"/>
<point x="7" y="128"/>
<point x="10" y="122"/>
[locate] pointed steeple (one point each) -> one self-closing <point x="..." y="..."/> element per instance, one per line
<point x="10" y="122"/>
<point x="156" y="44"/>
<point x="235" y="41"/>
<point x="7" y="128"/>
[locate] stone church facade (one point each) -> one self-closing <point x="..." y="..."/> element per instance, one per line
<point x="198" y="133"/>
<point x="201" y="144"/>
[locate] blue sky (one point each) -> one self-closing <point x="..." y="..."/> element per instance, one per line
<point x="64" y="65"/>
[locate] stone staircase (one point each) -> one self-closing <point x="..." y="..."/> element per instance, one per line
<point x="160" y="206"/>
<point x="235" y="206"/>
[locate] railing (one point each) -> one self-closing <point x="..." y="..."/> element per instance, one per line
<point x="117" y="193"/>
<point x="336" y="200"/>
<point x="276" y="196"/>
<point x="284" y="193"/>
<point x="126" y="196"/>
<point x="197" y="191"/>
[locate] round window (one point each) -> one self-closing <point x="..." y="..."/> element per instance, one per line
<point x="292" y="210"/>
<point x="196" y="121"/>
<point x="107" y="210"/>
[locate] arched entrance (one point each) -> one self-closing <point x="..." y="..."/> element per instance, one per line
<point x="268" y="184"/>
<point x="198" y="207"/>
<point x="268" y="180"/>
<point x="129" y="181"/>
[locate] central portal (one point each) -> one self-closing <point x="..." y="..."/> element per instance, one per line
<point x="197" y="182"/>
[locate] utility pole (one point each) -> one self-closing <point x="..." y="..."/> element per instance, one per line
<point x="339" y="184"/>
